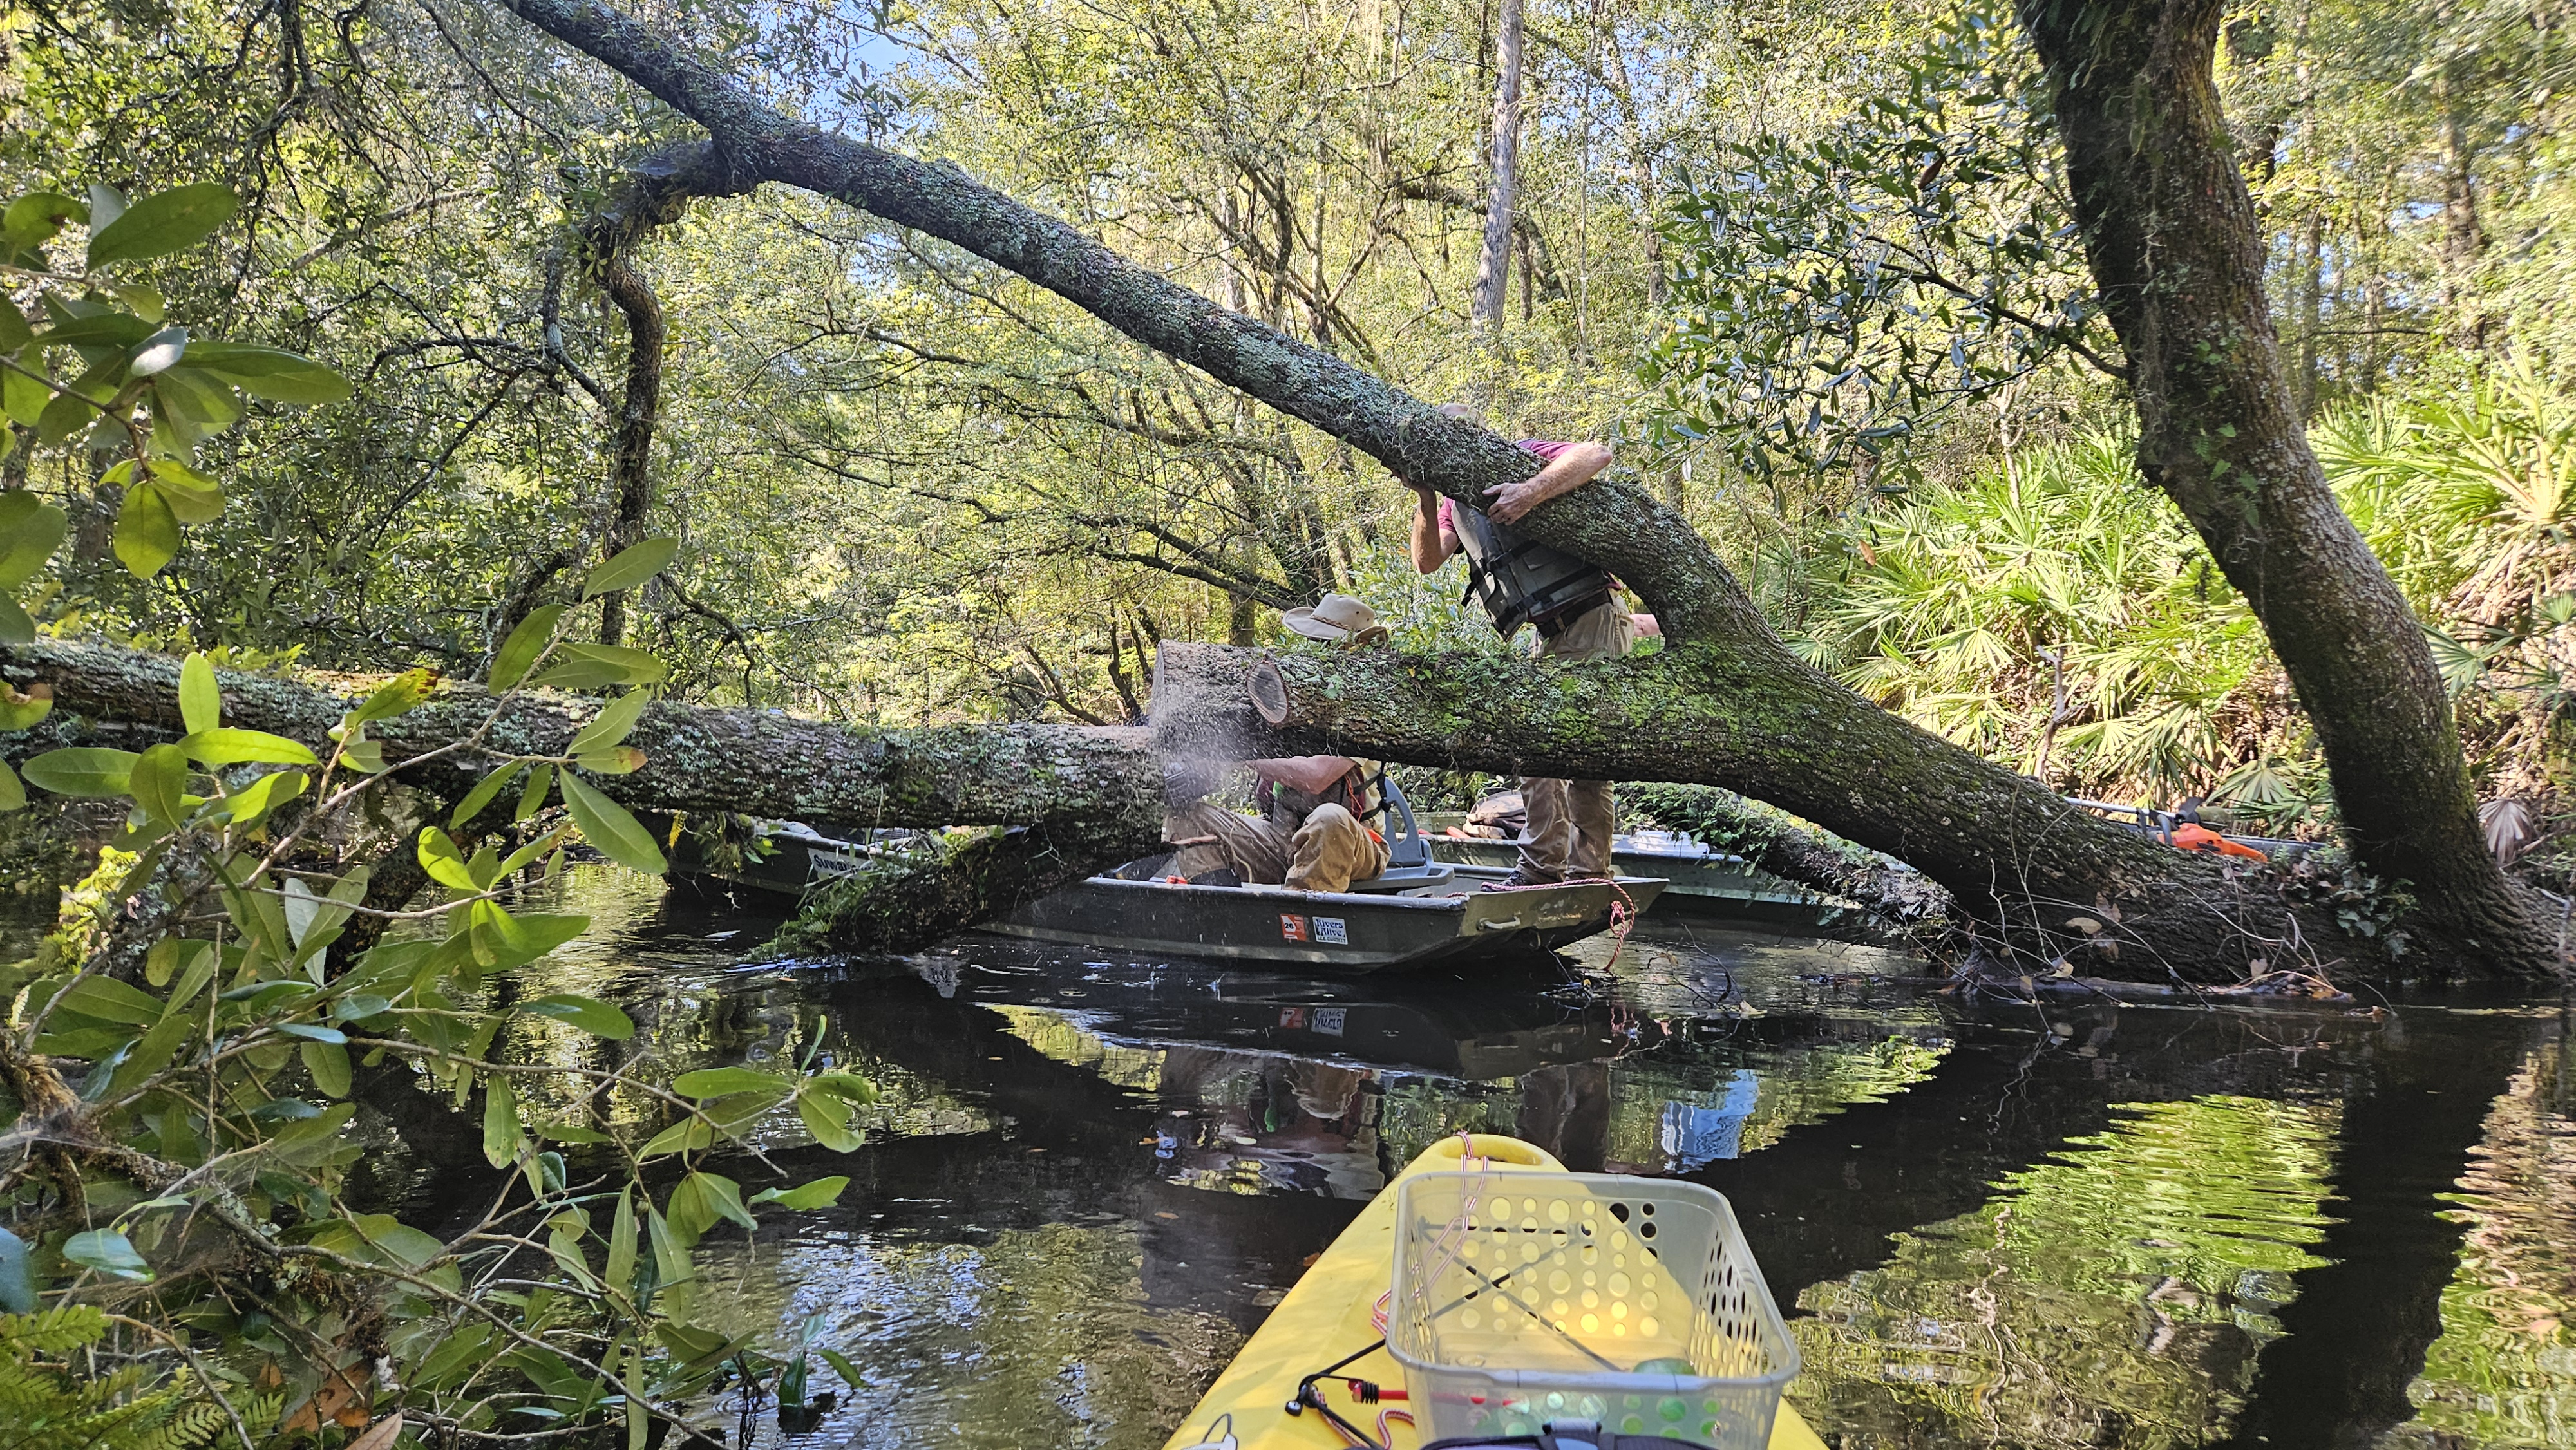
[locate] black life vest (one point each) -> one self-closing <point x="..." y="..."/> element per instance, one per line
<point x="1522" y="581"/>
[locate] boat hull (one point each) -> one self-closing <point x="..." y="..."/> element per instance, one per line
<point x="1703" y="882"/>
<point x="1343" y="931"/>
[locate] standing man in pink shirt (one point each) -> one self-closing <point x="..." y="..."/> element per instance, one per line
<point x="1572" y="605"/>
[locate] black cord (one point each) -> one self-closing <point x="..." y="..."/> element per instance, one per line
<point x="1310" y="1397"/>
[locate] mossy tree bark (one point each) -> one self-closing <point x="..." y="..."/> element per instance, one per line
<point x="1726" y="704"/>
<point x="2173" y="242"/>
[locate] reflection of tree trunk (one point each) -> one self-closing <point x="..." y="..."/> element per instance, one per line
<point x="2356" y="1335"/>
<point x="1493" y="271"/>
<point x="2170" y="233"/>
<point x="1566" y="1110"/>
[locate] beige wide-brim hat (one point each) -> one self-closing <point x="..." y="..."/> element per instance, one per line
<point x="1335" y="619"/>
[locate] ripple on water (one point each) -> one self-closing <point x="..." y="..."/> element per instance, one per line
<point x="2113" y="1295"/>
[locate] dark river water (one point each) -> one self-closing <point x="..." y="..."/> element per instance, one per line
<point x="2073" y="1225"/>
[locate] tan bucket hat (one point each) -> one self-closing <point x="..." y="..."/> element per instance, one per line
<point x="1336" y="619"/>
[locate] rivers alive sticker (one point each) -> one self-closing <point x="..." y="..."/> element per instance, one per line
<point x="1333" y="929"/>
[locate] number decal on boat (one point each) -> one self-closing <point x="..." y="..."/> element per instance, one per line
<point x="1331" y="929"/>
<point x="1292" y="927"/>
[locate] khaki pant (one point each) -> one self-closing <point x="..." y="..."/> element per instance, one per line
<point x="1326" y="853"/>
<point x="1570" y="820"/>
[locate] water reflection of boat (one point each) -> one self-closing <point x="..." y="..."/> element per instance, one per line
<point x="1702" y="880"/>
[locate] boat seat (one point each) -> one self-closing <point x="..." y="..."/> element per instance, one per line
<point x="1406" y="878"/>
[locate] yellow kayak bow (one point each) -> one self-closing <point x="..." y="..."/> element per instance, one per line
<point x="1328" y="1315"/>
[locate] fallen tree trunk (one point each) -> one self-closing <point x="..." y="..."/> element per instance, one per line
<point x="2040" y="882"/>
<point x="698" y="758"/>
<point x="1085" y="798"/>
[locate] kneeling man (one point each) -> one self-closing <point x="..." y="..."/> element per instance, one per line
<point x="1312" y="833"/>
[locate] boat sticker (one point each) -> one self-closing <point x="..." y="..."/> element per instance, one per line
<point x="1292" y="1017"/>
<point x="1292" y="927"/>
<point x="1331" y="929"/>
<point x="1328" y="1020"/>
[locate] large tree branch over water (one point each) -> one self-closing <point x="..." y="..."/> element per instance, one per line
<point x="1736" y="707"/>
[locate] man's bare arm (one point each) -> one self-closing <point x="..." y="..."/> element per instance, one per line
<point x="1566" y="472"/>
<point x="1432" y="544"/>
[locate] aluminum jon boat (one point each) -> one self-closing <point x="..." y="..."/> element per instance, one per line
<point x="1704" y="881"/>
<point x="1419" y="911"/>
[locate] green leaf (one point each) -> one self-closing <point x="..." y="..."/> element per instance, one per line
<point x="147" y="533"/>
<point x="611" y="725"/>
<point x="621" y="1243"/>
<point x="34" y="219"/>
<point x="595" y="1017"/>
<point x="523" y="646"/>
<point x="631" y="567"/>
<point x="617" y="760"/>
<point x="597" y="666"/>
<point x="23" y="398"/>
<point x="144" y="302"/>
<point x="847" y="1086"/>
<point x="150" y="1055"/>
<point x="670" y="1262"/>
<point x="106" y="204"/>
<point x="30" y="530"/>
<point x="402" y="693"/>
<point x="311" y="1033"/>
<point x="107" y="1251"/>
<point x="193" y="498"/>
<point x="444" y="862"/>
<point x="821" y="1193"/>
<point x="328" y="1063"/>
<point x="841" y="1366"/>
<point x="229" y="746"/>
<point x="607" y="825"/>
<point x="532" y="799"/>
<point x="201" y="704"/>
<point x="16" y="627"/>
<point x="716" y="1082"/>
<point x="107" y="330"/>
<point x="158" y="353"/>
<point x="164" y="222"/>
<point x="13" y="796"/>
<point x="687" y="1135"/>
<point x="81" y="770"/>
<point x="17" y="1289"/>
<point x="14" y="331"/>
<point x="157" y="782"/>
<point x="254" y="801"/>
<point x="701" y="1199"/>
<point x="105" y="999"/>
<point x="482" y="793"/>
<point x="829" y="1122"/>
<point x="271" y="373"/>
<point x="501" y="1138"/>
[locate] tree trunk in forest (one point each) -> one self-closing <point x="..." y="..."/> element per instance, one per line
<point x="1494" y="269"/>
<point x="2462" y="237"/>
<point x="2171" y="235"/>
<point x="1726" y="703"/>
<point x="654" y="192"/>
